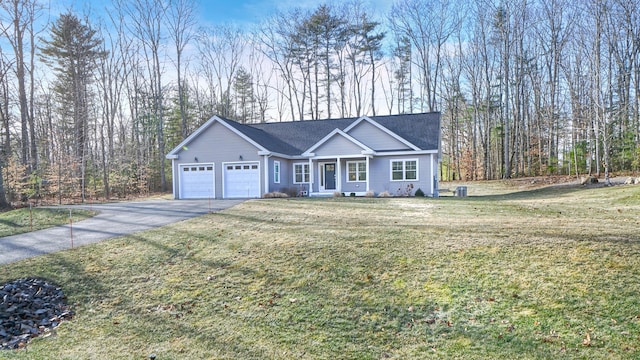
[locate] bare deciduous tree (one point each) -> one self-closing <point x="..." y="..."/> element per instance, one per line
<point x="181" y="22"/>
<point x="145" y="19"/>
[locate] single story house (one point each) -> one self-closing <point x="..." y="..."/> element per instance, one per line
<point x="225" y="159"/>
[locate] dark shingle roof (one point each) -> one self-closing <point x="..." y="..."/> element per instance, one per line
<point x="422" y="130"/>
<point x="295" y="137"/>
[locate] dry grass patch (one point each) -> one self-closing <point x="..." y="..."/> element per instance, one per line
<point x="539" y="273"/>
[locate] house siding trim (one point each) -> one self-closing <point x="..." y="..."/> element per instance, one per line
<point x="348" y="156"/>
<point x="176" y="196"/>
<point x="435" y="161"/>
<point x="266" y="173"/>
<point x="403" y="153"/>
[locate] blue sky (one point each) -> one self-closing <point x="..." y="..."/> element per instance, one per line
<point x="239" y="12"/>
<point x="256" y="11"/>
<point x="248" y="11"/>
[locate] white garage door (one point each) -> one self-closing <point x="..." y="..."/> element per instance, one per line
<point x="241" y="180"/>
<point x="197" y="181"/>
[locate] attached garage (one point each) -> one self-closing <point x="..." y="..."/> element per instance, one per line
<point x="241" y="180"/>
<point x="197" y="181"/>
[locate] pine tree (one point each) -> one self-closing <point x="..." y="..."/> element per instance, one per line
<point x="244" y="96"/>
<point x="403" y="76"/>
<point x="74" y="51"/>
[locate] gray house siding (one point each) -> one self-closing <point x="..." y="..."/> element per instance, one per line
<point x="375" y="138"/>
<point x="216" y="145"/>
<point x="286" y="175"/>
<point x="336" y="146"/>
<point x="380" y="175"/>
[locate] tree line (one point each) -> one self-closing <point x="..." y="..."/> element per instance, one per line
<point x="90" y="104"/>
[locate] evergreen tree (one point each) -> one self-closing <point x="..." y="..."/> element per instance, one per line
<point x="74" y="51"/>
<point x="403" y="76"/>
<point x="371" y="46"/>
<point x="245" y="98"/>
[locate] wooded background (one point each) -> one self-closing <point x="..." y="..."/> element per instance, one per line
<point x="90" y="104"/>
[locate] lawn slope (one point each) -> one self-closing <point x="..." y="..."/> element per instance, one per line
<point x="527" y="273"/>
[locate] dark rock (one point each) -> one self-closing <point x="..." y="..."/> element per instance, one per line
<point x="28" y="308"/>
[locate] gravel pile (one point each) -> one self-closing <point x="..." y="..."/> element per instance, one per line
<point x="29" y="308"/>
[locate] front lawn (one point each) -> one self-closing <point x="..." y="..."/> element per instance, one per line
<point x="542" y="273"/>
<point x="24" y="220"/>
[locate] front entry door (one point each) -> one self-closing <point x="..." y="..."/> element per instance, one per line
<point x="329" y="176"/>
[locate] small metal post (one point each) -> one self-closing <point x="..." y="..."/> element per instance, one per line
<point x="30" y="218"/>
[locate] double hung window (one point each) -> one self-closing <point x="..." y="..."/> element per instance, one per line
<point x="356" y="171"/>
<point x="300" y="173"/>
<point x="402" y="170"/>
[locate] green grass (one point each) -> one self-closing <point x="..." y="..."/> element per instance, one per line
<point x="547" y="273"/>
<point x="23" y="220"/>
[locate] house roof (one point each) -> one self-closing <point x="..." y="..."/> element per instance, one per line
<point x="295" y="137"/>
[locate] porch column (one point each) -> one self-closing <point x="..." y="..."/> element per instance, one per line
<point x="310" y="190"/>
<point x="367" y="174"/>
<point x="338" y="175"/>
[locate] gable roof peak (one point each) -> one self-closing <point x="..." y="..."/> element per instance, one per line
<point x="335" y="132"/>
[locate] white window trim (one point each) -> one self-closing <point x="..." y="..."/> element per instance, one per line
<point x="308" y="173"/>
<point x="276" y="172"/>
<point x="404" y="169"/>
<point x="357" y="162"/>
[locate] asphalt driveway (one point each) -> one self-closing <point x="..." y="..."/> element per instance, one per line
<point x="113" y="219"/>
